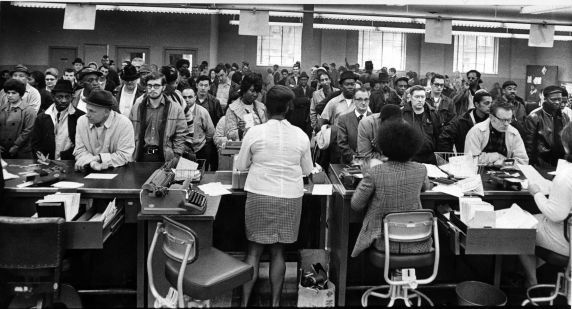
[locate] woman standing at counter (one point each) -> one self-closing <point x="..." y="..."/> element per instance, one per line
<point x="245" y="112"/>
<point x="554" y="211"/>
<point x="278" y="155"/>
<point x="16" y="122"/>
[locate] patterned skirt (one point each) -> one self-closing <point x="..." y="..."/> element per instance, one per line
<point x="271" y="220"/>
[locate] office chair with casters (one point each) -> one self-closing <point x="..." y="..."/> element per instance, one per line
<point x="31" y="254"/>
<point x="198" y="275"/>
<point x="405" y="227"/>
<point x="562" y="285"/>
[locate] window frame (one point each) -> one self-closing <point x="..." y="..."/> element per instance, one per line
<point x="378" y="62"/>
<point x="266" y="58"/>
<point x="479" y="55"/>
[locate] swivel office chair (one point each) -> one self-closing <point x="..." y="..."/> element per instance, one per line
<point x="198" y="275"/>
<point x="563" y="279"/>
<point x="405" y="227"/>
<point x="31" y="256"/>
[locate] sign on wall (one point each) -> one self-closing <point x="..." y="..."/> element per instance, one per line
<point x="253" y="23"/>
<point x="79" y="17"/>
<point x="538" y="77"/>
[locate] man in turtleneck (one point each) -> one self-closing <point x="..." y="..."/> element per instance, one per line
<point x="543" y="127"/>
<point x="454" y="134"/>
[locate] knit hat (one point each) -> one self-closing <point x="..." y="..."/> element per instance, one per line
<point x="347" y="75"/>
<point x="101" y="98"/>
<point x="509" y="83"/>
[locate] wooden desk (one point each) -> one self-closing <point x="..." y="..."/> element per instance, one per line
<point x="341" y="216"/>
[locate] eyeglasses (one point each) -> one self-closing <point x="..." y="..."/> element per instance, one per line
<point x="324" y="79"/>
<point x="50" y="79"/>
<point x="438" y="85"/>
<point x="154" y="86"/>
<point x="507" y="121"/>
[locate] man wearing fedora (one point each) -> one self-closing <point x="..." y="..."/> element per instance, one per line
<point x="88" y="80"/>
<point x="104" y="137"/>
<point x="129" y="91"/>
<point x="159" y="123"/>
<point x="385" y="95"/>
<point x="31" y="97"/>
<point x="54" y="130"/>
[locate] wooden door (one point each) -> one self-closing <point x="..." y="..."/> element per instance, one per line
<point x="62" y="57"/>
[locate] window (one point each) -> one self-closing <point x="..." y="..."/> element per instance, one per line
<point x="384" y="49"/>
<point x="283" y="46"/>
<point x="479" y="53"/>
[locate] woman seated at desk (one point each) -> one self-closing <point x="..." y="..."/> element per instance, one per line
<point x="555" y="210"/>
<point x="245" y="112"/>
<point x="392" y="186"/>
<point x="278" y="155"/>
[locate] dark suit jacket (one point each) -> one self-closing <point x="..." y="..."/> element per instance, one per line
<point x="347" y="135"/>
<point x="119" y="89"/>
<point x="43" y="138"/>
<point x="299" y="113"/>
<point x="212" y="104"/>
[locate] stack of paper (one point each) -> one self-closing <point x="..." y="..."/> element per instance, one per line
<point x="186" y="169"/>
<point x="434" y="172"/>
<point x="471" y="185"/>
<point x="534" y="177"/>
<point x="69" y="202"/>
<point x="515" y="218"/>
<point x="214" y="189"/>
<point x="476" y="213"/>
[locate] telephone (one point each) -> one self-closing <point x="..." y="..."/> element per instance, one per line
<point x="161" y="194"/>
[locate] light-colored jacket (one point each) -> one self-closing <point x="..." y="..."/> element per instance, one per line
<point x="237" y="110"/>
<point x="478" y="138"/>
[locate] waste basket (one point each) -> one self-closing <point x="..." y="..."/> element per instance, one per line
<point x="475" y="293"/>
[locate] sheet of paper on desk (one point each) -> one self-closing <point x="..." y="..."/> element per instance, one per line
<point x="449" y="189"/>
<point x="434" y="172"/>
<point x="322" y="189"/>
<point x="533" y="176"/>
<point x="515" y="218"/>
<point x="100" y="176"/>
<point x="214" y="189"/>
<point x="8" y="175"/>
<point x="472" y="185"/>
<point x="4" y="164"/>
<point x="68" y="184"/>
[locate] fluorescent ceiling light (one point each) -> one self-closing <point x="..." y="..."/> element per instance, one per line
<point x="541" y="9"/>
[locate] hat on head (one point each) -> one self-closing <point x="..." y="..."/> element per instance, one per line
<point x="101" y="98"/>
<point x="509" y="83"/>
<point x="347" y="75"/>
<point x="551" y="89"/>
<point x="129" y="73"/>
<point x="88" y="70"/>
<point x="383" y="77"/>
<point x="20" y="68"/>
<point x="63" y="85"/>
<point x="304" y="75"/>
<point x="145" y="69"/>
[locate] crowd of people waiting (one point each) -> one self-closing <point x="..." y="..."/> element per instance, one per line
<point x="102" y="116"/>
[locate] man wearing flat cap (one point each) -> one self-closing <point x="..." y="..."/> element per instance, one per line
<point x="129" y="91"/>
<point x="88" y="80"/>
<point x="104" y="137"/>
<point x="509" y="95"/>
<point x="299" y="113"/>
<point x="31" y="97"/>
<point x="543" y="127"/>
<point x="54" y="130"/>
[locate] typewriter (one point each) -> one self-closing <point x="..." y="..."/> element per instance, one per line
<point x="161" y="194"/>
<point x="350" y="176"/>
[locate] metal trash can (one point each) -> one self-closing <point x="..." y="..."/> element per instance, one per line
<point x="475" y="293"/>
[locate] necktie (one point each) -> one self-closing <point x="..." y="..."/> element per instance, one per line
<point x="58" y="117"/>
<point x="359" y="118"/>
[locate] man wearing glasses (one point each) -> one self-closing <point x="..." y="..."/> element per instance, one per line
<point x="495" y="140"/>
<point x="542" y="129"/>
<point x="53" y="135"/>
<point x="442" y="104"/>
<point x="464" y="99"/>
<point x="348" y="126"/>
<point x="159" y="123"/>
<point x="518" y="106"/>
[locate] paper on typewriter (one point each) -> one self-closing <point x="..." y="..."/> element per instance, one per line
<point x="533" y="176"/>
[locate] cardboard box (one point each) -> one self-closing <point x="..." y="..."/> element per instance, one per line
<point x="308" y="297"/>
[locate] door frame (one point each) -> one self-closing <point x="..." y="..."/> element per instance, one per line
<point x="117" y="47"/>
<point x="183" y="49"/>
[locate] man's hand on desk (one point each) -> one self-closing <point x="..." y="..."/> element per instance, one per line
<point x="491" y="158"/>
<point x="83" y="162"/>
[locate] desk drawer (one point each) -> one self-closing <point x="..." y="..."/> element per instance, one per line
<point x="487" y="241"/>
<point x="84" y="234"/>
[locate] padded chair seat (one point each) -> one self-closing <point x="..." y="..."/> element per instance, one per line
<point x="552" y="257"/>
<point x="377" y="258"/>
<point x="213" y="273"/>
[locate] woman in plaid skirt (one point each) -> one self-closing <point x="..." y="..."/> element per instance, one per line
<point x="277" y="155"/>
